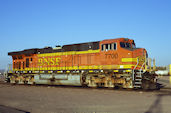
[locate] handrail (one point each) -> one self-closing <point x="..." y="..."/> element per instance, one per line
<point x="135" y="68"/>
<point x="142" y="67"/>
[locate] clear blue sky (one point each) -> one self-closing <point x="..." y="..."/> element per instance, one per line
<point x="28" y="24"/>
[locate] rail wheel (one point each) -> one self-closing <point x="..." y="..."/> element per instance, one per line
<point x="148" y="85"/>
<point x="31" y="80"/>
<point x="21" y="80"/>
<point x="13" y="79"/>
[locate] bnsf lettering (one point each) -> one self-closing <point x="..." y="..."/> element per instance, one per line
<point x="48" y="61"/>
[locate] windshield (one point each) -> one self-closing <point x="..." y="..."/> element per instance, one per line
<point x="133" y="45"/>
<point x="125" y="45"/>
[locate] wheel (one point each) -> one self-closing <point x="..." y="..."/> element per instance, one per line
<point x="145" y="85"/>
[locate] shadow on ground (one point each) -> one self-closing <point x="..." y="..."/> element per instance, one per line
<point x="7" y="109"/>
<point x="156" y="107"/>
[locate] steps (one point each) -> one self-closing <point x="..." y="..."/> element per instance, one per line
<point x="137" y="82"/>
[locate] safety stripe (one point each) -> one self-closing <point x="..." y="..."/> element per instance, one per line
<point x="50" y="71"/>
<point x="129" y="59"/>
<point x="82" y="67"/>
<point x="68" y="71"/>
<point x="115" y="70"/>
<point x="128" y="70"/>
<point x="91" y="71"/>
<point x="68" y="53"/>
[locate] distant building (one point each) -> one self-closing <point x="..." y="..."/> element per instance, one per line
<point x="162" y="72"/>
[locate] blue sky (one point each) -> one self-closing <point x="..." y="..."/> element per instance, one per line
<point x="28" y="24"/>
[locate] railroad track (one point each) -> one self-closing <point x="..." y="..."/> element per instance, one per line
<point x="87" y="88"/>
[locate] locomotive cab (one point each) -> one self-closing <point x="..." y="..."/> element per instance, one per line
<point x="123" y="53"/>
<point x="133" y="55"/>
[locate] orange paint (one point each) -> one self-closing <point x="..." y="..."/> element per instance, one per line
<point x="101" y="58"/>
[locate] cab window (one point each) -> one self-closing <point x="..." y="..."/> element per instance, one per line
<point x="122" y="44"/>
<point x="125" y="45"/>
<point x="102" y="47"/>
<point x="114" y="46"/>
<point x="106" y="47"/>
<point x="128" y="45"/>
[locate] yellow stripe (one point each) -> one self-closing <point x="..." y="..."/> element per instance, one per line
<point x="170" y="70"/>
<point x="59" y="72"/>
<point x="129" y="66"/>
<point x="129" y="59"/>
<point x="115" y="70"/>
<point x="128" y="70"/>
<point x="49" y="71"/>
<point x="68" y="53"/>
<point x="91" y="71"/>
<point x="24" y="71"/>
<point x="67" y="71"/>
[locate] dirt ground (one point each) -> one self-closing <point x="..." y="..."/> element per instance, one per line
<point x="60" y="99"/>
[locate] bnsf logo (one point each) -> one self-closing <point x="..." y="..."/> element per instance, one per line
<point x="48" y="61"/>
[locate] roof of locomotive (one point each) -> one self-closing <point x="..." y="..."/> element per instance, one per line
<point x="64" y="48"/>
<point x="118" y="39"/>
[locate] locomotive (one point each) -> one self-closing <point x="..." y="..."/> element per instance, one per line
<point x="108" y="63"/>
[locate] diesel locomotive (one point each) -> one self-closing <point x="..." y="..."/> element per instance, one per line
<point x="107" y="63"/>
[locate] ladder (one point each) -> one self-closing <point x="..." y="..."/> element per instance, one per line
<point x="137" y="76"/>
<point x="137" y="82"/>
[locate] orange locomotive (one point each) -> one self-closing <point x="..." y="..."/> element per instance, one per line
<point x="107" y="63"/>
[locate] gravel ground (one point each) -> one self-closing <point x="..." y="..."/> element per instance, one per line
<point x="165" y="81"/>
<point x="60" y="99"/>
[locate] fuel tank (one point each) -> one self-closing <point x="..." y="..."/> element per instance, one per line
<point x="58" y="79"/>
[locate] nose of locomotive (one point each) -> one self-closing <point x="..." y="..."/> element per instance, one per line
<point x="141" y="54"/>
